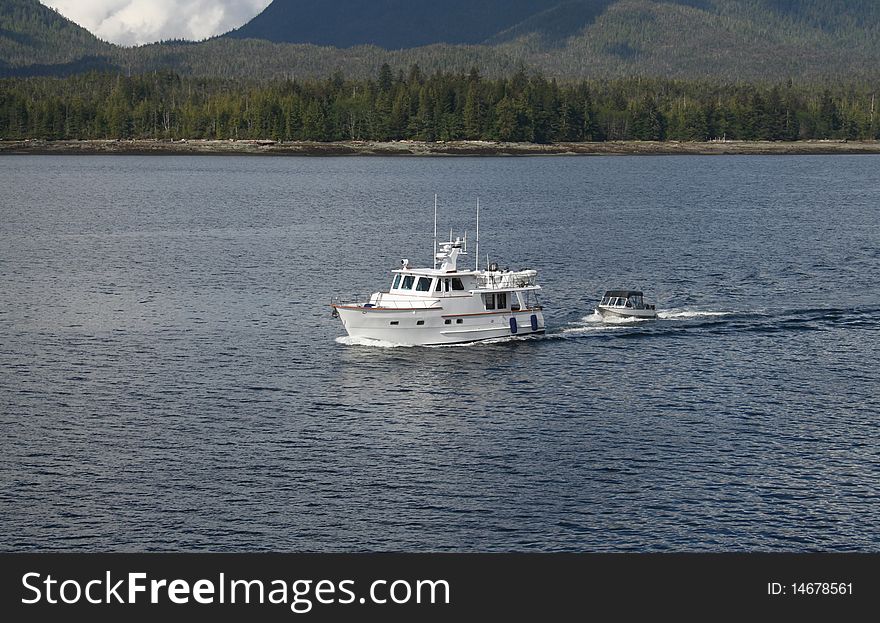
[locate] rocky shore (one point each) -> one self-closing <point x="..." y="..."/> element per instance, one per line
<point x="418" y="148"/>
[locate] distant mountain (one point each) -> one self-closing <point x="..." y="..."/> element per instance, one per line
<point x="732" y="40"/>
<point x="398" y="24"/>
<point x="389" y="24"/>
<point x="36" y="39"/>
<point x="556" y="22"/>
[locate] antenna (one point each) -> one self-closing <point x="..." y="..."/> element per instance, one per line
<point x="477" y="253"/>
<point x="434" y="253"/>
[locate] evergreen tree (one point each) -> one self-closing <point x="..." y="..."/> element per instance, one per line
<point x="828" y="119"/>
<point x="695" y="125"/>
<point x="648" y="123"/>
<point x="474" y="113"/>
<point x="385" y="78"/>
<point x="314" y="127"/>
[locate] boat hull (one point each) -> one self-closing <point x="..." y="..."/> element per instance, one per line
<point x="432" y="327"/>
<point x="624" y="312"/>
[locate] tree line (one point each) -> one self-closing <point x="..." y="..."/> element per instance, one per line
<point x="438" y="107"/>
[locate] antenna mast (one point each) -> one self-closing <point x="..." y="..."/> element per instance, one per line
<point x="434" y="252"/>
<point x="477" y="254"/>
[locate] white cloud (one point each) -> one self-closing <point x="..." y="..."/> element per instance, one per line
<point x="133" y="22"/>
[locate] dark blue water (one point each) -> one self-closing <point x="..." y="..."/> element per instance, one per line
<point x="171" y="379"/>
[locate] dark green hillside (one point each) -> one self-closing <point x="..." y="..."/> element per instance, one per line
<point x="556" y="23"/>
<point x="732" y="40"/>
<point x="832" y="15"/>
<point x="389" y="24"/>
<point x="33" y="36"/>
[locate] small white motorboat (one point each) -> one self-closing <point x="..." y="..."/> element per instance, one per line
<point x="626" y="304"/>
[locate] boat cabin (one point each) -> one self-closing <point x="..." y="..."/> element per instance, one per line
<point x="427" y="285"/>
<point x="624" y="298"/>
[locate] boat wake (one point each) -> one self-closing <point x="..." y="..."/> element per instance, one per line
<point x="359" y="341"/>
<point x="708" y="322"/>
<point x="347" y="340"/>
<point x="597" y="322"/>
<point x="712" y="322"/>
<point x="688" y="314"/>
<point x="507" y="339"/>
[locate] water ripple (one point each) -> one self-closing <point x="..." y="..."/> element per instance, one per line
<point x="170" y="378"/>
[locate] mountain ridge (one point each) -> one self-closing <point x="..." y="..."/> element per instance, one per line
<point x="34" y="34"/>
<point x="388" y="24"/>
<point x="398" y="24"/>
<point x="730" y="40"/>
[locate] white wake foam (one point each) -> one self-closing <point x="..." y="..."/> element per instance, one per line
<point x="347" y="340"/>
<point x="686" y="314"/>
<point x="598" y="322"/>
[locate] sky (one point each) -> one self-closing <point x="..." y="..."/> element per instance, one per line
<point x="133" y="22"/>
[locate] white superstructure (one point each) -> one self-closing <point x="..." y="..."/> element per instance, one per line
<point x="446" y="305"/>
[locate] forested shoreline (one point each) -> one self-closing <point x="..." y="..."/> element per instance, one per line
<point x="524" y="107"/>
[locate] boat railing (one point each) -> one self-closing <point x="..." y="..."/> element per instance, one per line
<point x="369" y="302"/>
<point x="408" y="304"/>
<point x="352" y="300"/>
<point x="506" y="280"/>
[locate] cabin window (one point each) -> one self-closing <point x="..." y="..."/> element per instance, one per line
<point x="407" y="282"/>
<point x="458" y="321"/>
<point x="396" y="283"/>
<point x="420" y="322"/>
<point x="395" y="322"/>
<point x="447" y="321"/>
<point x="439" y="286"/>
<point x="424" y="284"/>
<point x="457" y="284"/>
<point x="495" y="301"/>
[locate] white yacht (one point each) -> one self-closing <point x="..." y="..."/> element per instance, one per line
<point x="626" y="304"/>
<point x="447" y="304"/>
